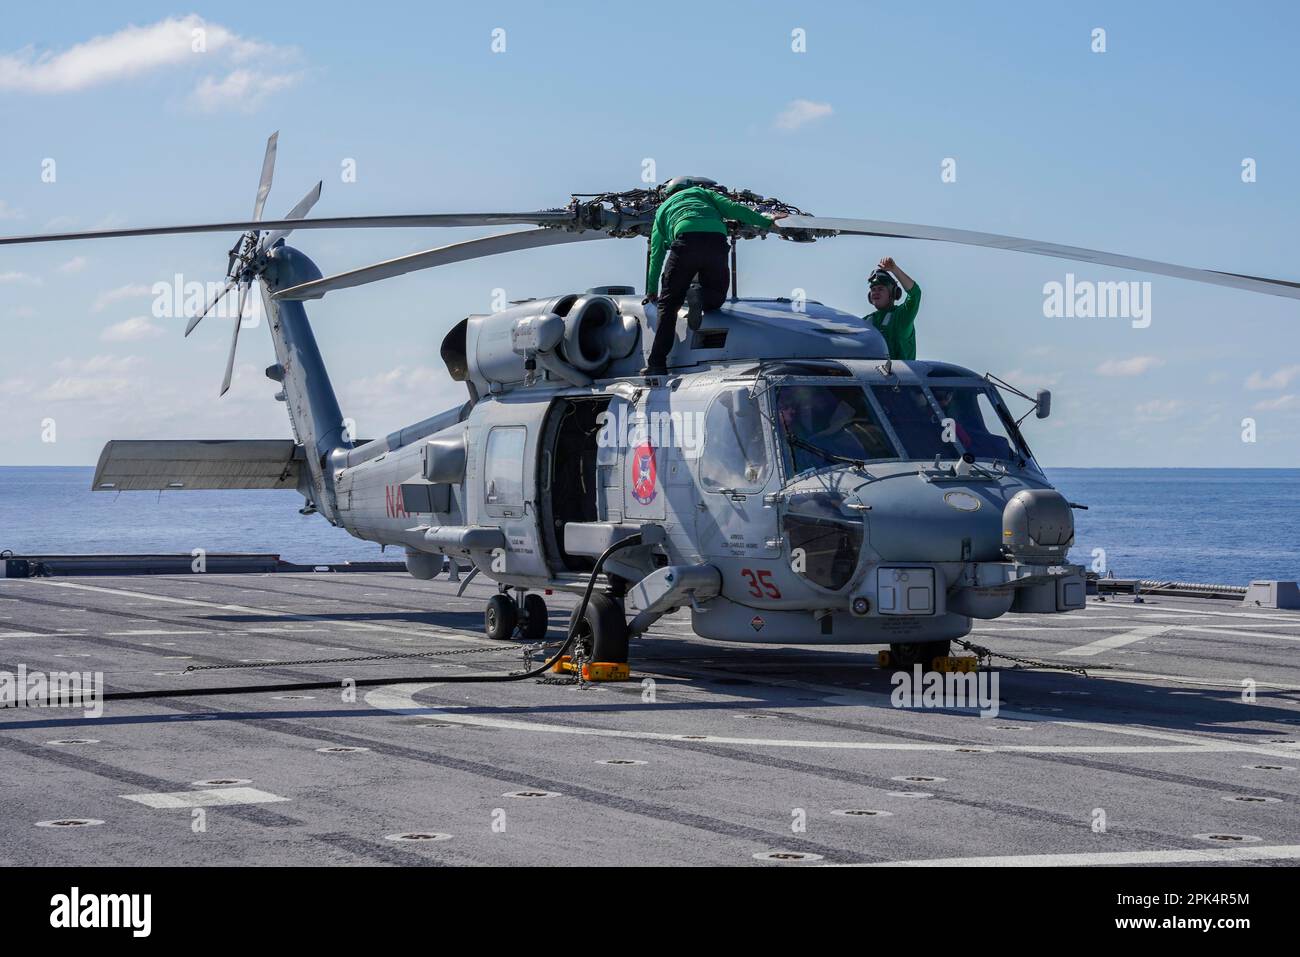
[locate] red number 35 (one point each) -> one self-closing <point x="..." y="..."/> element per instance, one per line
<point x="761" y="584"/>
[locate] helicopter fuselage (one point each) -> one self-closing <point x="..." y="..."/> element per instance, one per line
<point x="817" y="500"/>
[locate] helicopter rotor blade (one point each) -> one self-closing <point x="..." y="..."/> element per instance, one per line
<point x="441" y="256"/>
<point x="268" y="169"/>
<point x="194" y="320"/>
<point x="551" y="217"/>
<point x="234" y="340"/>
<point x="298" y="212"/>
<point x="966" y="237"/>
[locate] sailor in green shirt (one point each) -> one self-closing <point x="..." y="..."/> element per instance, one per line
<point x="689" y="239"/>
<point x="894" y="320"/>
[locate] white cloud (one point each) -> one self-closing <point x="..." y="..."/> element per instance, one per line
<point x="8" y="212"/>
<point x="396" y="383"/>
<point x="75" y="264"/>
<point x="387" y="400"/>
<point x="98" y="364"/>
<point x="1029" y="379"/>
<point x="98" y="388"/>
<point x="13" y="276"/>
<point x="1282" y="402"/>
<point x="173" y="43"/>
<point x="129" y="330"/>
<point x="241" y="89"/>
<point x="1158" y="410"/>
<point x="1134" y="365"/>
<point x="105" y="299"/>
<point x="1276" y="380"/>
<point x="801" y="112"/>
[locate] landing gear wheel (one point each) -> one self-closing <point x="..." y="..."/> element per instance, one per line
<point x="500" y="617"/>
<point x="536" y="617"/>
<point x="918" y="653"/>
<point x="603" y="630"/>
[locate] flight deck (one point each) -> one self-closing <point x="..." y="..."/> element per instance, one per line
<point x="1180" y="744"/>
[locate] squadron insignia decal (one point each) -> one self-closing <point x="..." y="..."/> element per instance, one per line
<point x="644" y="485"/>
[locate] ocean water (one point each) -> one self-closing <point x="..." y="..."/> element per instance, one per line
<point x="1224" y="526"/>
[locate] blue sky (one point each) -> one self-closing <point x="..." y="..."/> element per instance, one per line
<point x="1136" y="150"/>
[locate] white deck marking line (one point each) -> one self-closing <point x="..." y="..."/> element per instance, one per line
<point x="1111" y="642"/>
<point x="1211" y="855"/>
<point x="1236" y="632"/>
<point x="876" y="699"/>
<point x="1130" y="612"/>
<point x="1221" y="683"/>
<point x="396" y="699"/>
<point x="1175" y="610"/>
<point x="29" y="634"/>
<point x="274" y="613"/>
<point x="209" y="797"/>
<point x="150" y="631"/>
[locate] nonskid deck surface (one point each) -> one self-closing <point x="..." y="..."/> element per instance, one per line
<point x="724" y="753"/>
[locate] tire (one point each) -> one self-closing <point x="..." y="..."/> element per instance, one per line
<point x="603" y="630"/>
<point x="536" y="617"/>
<point x="918" y="653"/>
<point x="500" y="617"/>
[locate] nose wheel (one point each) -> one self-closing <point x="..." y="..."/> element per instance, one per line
<point x="918" y="653"/>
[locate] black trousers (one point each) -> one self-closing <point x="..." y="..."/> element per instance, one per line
<point x="691" y="254"/>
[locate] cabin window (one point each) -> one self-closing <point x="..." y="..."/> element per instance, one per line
<point x="504" y="473"/>
<point x="734" y="454"/>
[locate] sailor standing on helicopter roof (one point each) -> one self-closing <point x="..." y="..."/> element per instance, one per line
<point x="893" y="320"/>
<point x="690" y="232"/>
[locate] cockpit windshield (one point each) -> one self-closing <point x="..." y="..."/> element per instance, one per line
<point x="826" y="425"/>
<point x="915" y="422"/>
<point x="977" y="422"/>
<point x="830" y="424"/>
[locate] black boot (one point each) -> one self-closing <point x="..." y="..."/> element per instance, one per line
<point x="694" y="306"/>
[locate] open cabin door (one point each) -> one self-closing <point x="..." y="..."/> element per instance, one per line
<point x="577" y="469"/>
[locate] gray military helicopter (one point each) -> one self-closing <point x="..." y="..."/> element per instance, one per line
<point x="785" y="481"/>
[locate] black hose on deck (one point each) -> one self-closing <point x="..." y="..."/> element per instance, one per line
<point x="631" y="540"/>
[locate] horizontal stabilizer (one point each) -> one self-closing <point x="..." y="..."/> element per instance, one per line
<point x="157" y="464"/>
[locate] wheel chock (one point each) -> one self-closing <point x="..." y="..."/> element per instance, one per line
<point x="594" y="670"/>
<point x="606" y="671"/>
<point x="963" y="664"/>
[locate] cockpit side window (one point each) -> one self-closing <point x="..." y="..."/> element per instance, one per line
<point x="827" y="425"/>
<point x="734" y="454"/>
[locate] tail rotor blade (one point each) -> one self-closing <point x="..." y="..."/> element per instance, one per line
<point x="194" y="321"/>
<point x="298" y="212"/>
<point x="234" y="341"/>
<point x="268" y="168"/>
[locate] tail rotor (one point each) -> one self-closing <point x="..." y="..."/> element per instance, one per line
<point x="247" y="259"/>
